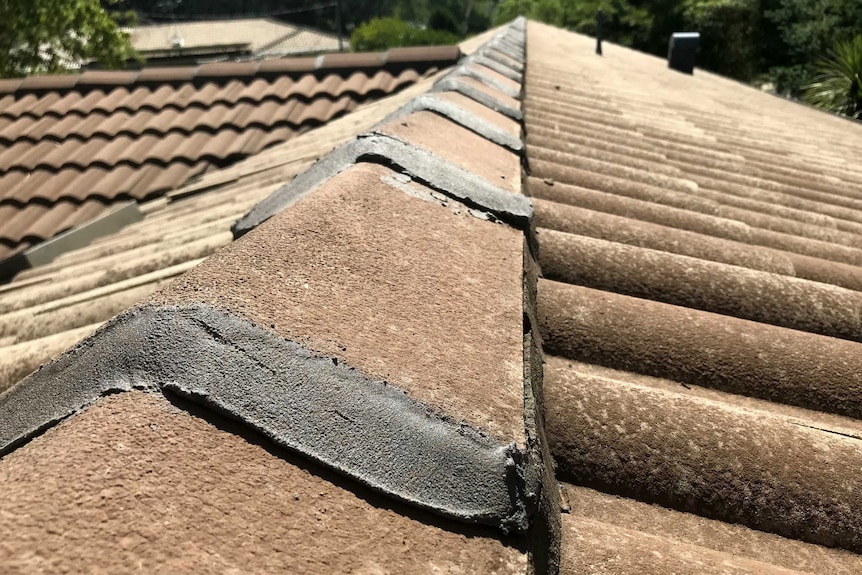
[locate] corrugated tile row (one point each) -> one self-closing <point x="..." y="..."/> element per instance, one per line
<point x="104" y="137"/>
<point x="701" y="249"/>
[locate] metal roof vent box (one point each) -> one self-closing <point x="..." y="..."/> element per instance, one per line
<point x="681" y="51"/>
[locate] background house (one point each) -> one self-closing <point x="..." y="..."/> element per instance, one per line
<point x="236" y="39"/>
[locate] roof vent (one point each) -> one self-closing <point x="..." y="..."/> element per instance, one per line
<point x="681" y="51"/>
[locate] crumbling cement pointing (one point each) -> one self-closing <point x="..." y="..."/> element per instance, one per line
<point x="421" y="165"/>
<point x="316" y="406"/>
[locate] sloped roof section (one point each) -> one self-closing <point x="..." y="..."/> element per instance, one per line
<point x="434" y="403"/>
<point x="74" y="146"/>
<point x="699" y="242"/>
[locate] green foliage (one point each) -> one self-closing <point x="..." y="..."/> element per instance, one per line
<point x="838" y="84"/>
<point x="385" y="33"/>
<point x="46" y="36"/>
<point x="413" y="11"/>
<point x="127" y="18"/>
<point x="442" y="19"/>
<point x="729" y="30"/>
<point x="625" y="23"/>
<point x="797" y="33"/>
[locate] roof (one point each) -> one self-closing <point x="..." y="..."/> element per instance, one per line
<point x="76" y="147"/>
<point x="262" y="37"/>
<point x="548" y="308"/>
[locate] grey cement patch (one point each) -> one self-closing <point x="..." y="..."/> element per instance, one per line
<point x="497" y="67"/>
<point x="460" y="116"/>
<point x="491" y="53"/>
<point x="451" y="84"/>
<point x="320" y="408"/>
<point x="421" y="165"/>
<point x="472" y="72"/>
<point x="402" y="182"/>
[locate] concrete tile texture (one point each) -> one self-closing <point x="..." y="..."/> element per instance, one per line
<point x="137" y="484"/>
<point x="401" y="288"/>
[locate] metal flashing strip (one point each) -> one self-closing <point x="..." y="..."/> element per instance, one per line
<point x="421" y="165"/>
<point x="310" y="404"/>
<point x="47" y="251"/>
<point x="451" y="84"/>
<point x="460" y="116"/>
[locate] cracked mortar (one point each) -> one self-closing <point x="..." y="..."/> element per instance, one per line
<point x="322" y="409"/>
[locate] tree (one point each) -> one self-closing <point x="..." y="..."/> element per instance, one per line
<point x="797" y="33"/>
<point x="625" y="23"/>
<point x="385" y="33"/>
<point x="49" y="36"/>
<point x="838" y="85"/>
<point x="731" y="35"/>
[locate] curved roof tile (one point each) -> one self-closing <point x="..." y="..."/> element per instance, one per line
<point x="70" y="130"/>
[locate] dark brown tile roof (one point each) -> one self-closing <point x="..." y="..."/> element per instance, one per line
<point x="696" y="379"/>
<point x="73" y="146"/>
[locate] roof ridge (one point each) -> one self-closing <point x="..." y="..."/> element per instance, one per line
<point x="493" y="479"/>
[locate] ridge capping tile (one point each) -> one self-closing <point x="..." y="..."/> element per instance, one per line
<point x="466" y="69"/>
<point x="48" y="82"/>
<point x="107" y="78"/>
<point x="10" y="85"/>
<point x="183" y="343"/>
<point x="431" y="103"/>
<point x="409" y="54"/>
<point x="491" y="52"/>
<point x="450" y="83"/>
<point x="421" y="165"/>
<point x="498" y="67"/>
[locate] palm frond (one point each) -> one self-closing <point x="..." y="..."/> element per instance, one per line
<point x="838" y="84"/>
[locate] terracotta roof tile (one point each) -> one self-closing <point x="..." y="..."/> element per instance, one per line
<point x="428" y="53"/>
<point x="106" y="78"/>
<point x="227" y="69"/>
<point x="460" y="146"/>
<point x="279" y="66"/>
<point x="215" y="113"/>
<point x="37" y="83"/>
<point x="350" y="61"/>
